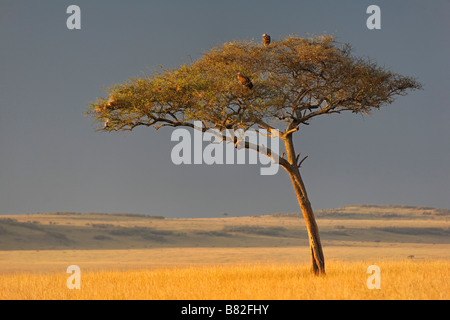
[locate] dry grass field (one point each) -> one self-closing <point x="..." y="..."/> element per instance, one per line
<point x="344" y="280"/>
<point x="126" y="256"/>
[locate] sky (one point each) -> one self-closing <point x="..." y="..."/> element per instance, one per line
<point x="52" y="159"/>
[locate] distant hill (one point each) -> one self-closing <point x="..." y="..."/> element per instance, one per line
<point x="367" y="211"/>
<point x="348" y="225"/>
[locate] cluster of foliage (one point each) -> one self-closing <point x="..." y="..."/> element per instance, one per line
<point x="294" y="79"/>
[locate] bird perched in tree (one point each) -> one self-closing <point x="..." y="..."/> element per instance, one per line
<point x="265" y="39"/>
<point x="112" y="102"/>
<point x="244" y="80"/>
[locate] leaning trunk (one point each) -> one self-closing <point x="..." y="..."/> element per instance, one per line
<point x="317" y="258"/>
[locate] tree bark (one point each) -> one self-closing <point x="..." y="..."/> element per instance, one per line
<point x="317" y="257"/>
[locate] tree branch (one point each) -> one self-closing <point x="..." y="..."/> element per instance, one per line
<point x="267" y="152"/>
<point x="300" y="163"/>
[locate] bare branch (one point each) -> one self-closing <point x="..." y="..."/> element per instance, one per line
<point x="300" y="163"/>
<point x="290" y="131"/>
<point x="267" y="152"/>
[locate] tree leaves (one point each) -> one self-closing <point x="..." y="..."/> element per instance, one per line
<point x="294" y="80"/>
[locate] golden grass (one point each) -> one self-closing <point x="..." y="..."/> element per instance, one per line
<point x="402" y="279"/>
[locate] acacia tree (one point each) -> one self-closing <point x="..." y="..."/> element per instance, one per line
<point x="280" y="86"/>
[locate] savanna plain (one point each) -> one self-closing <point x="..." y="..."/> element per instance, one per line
<point x="134" y="256"/>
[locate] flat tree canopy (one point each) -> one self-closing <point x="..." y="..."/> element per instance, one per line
<point x="280" y="85"/>
<point x="294" y="80"/>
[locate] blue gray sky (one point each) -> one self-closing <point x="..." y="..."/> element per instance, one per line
<point x="51" y="158"/>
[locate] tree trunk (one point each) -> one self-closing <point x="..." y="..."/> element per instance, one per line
<point x="317" y="257"/>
